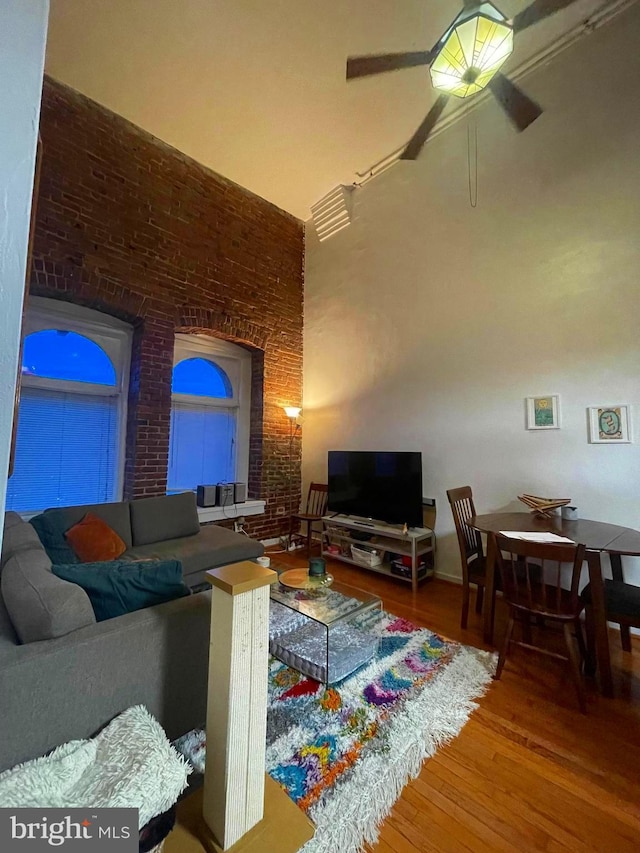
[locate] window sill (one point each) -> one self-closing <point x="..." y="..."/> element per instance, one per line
<point x="220" y="513"/>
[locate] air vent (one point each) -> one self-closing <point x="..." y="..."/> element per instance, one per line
<point x="333" y="212"/>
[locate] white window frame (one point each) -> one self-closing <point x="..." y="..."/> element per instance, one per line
<point x="236" y="363"/>
<point x="110" y="334"/>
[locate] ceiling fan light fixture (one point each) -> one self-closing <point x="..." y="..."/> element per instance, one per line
<point x="472" y="51"/>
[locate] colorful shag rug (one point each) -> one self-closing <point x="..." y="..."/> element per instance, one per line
<point x="344" y="753"/>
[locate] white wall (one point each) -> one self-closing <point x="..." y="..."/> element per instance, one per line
<point x="23" y="28"/>
<point x="428" y="322"/>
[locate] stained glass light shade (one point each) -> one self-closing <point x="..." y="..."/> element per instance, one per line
<point x="473" y="49"/>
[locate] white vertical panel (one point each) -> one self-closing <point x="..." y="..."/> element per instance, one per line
<point x="258" y="706"/>
<point x="238" y="730"/>
<point x="236" y="713"/>
<point x="214" y="800"/>
<point x="23" y="33"/>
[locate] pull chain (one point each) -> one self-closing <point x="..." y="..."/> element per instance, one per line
<point x="472" y="158"/>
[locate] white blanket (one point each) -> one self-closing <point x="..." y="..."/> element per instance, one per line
<point x="130" y="764"/>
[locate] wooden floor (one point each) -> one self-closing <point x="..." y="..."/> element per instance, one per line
<point x="528" y="771"/>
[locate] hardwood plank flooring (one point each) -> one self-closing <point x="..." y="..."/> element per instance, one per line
<point x="528" y="772"/>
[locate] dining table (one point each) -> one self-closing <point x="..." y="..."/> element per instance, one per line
<point x="598" y="537"/>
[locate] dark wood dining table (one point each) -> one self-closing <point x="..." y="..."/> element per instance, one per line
<point x="598" y="537"/>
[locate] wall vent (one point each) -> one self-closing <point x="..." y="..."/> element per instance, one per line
<point x="333" y="212"/>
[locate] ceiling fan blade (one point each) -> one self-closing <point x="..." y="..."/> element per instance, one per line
<point x="519" y="107"/>
<point x="364" y="66"/>
<point x="417" y="141"/>
<point x="537" y="11"/>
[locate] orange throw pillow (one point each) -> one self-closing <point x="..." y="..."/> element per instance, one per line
<point x="94" y="541"/>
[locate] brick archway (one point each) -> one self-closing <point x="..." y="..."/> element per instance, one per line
<point x="68" y="283"/>
<point x="236" y="329"/>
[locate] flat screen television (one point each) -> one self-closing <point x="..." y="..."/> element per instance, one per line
<point x="383" y="485"/>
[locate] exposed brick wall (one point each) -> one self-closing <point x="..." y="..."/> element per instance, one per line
<point x="129" y="226"/>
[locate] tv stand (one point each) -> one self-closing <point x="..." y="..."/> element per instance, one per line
<point x="419" y="544"/>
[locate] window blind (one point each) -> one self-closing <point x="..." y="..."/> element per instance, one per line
<point x="202" y="446"/>
<point x="66" y="450"/>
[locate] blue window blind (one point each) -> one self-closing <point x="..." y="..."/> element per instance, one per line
<point x="55" y="354"/>
<point x="202" y="446"/>
<point x="201" y="378"/>
<point x="66" y="450"/>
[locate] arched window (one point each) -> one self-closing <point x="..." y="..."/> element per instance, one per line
<point x="62" y="354"/>
<point x="72" y="408"/>
<point x="209" y="441"/>
<point x="201" y="377"/>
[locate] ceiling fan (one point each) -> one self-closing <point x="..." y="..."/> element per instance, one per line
<point x="465" y="60"/>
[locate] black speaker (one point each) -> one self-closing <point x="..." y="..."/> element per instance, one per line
<point x="206" y="495"/>
<point x="239" y="493"/>
<point x="224" y="496"/>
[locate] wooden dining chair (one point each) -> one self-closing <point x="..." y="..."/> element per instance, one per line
<point x="316" y="508"/>
<point x="622" y="605"/>
<point x="472" y="554"/>
<point x="531" y="574"/>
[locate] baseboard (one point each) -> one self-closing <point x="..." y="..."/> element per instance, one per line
<point x="445" y="576"/>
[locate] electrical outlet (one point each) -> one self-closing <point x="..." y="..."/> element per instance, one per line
<point x="280" y="510"/>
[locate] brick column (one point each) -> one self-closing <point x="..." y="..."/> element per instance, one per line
<point x="149" y="409"/>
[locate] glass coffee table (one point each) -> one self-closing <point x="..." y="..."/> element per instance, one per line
<point x="325" y="633"/>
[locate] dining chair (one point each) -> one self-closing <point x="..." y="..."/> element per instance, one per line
<point x="622" y="605"/>
<point x="316" y="508"/>
<point x="472" y="554"/>
<point x="532" y="576"/>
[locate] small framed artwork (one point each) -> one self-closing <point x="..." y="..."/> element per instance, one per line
<point x="543" y="412"/>
<point x="609" y="425"/>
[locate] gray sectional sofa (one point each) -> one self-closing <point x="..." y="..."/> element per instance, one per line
<point x="62" y="674"/>
<point x="168" y="527"/>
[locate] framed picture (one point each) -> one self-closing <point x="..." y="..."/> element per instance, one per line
<point x="609" y="424"/>
<point x="543" y="412"/>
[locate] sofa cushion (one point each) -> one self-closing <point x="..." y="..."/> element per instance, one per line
<point x="17" y="536"/>
<point x="40" y="605"/>
<point x="116" y="516"/>
<point x="51" y="527"/>
<point x="118" y="587"/>
<point x="8" y="636"/>
<point x="12" y="519"/>
<point x="165" y="517"/>
<point x="94" y="541"/>
<point x="213" y="546"/>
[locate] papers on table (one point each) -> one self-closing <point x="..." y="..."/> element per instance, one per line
<point x="528" y="536"/>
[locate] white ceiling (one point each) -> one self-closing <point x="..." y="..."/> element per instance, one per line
<point x="256" y="90"/>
